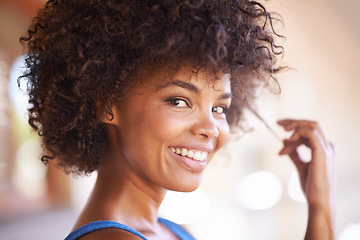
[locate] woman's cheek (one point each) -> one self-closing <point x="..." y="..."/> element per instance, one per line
<point x="224" y="133"/>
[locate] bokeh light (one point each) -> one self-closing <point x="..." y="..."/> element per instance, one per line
<point x="17" y="95"/>
<point x="185" y="208"/>
<point x="294" y="189"/>
<point x="259" y="191"/>
<point x="350" y="232"/>
<point x="29" y="175"/>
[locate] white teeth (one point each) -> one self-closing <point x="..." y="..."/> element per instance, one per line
<point x="183" y="152"/>
<point x="196" y="155"/>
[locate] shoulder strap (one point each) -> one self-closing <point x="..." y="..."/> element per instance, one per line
<point x="90" y="227"/>
<point x="176" y="229"/>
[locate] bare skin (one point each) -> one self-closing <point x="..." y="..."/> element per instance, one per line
<point x="185" y="112"/>
<point x="317" y="177"/>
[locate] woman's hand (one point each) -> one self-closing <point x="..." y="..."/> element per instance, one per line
<point x="317" y="176"/>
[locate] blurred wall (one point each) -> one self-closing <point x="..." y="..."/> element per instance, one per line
<point x="26" y="185"/>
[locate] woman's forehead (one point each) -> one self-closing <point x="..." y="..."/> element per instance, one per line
<point x="186" y="75"/>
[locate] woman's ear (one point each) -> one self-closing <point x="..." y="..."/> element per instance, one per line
<point x="111" y="115"/>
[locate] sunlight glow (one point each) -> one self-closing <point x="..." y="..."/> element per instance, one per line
<point x="18" y="96"/>
<point x="351" y="232"/>
<point x="294" y="189"/>
<point x="29" y="175"/>
<point x="259" y="191"/>
<point x="185" y="208"/>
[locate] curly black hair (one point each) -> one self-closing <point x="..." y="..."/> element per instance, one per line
<point x="83" y="55"/>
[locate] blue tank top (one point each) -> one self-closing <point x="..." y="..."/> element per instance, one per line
<point x="90" y="227"/>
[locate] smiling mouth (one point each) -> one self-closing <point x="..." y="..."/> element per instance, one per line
<point x="193" y="154"/>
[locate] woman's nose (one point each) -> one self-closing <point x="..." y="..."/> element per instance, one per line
<point x="205" y="126"/>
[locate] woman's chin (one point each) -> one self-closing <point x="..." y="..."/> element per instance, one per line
<point x="185" y="186"/>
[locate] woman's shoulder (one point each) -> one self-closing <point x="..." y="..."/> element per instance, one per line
<point x="110" y="233"/>
<point x="105" y="230"/>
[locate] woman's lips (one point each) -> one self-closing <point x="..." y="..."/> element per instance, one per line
<point x="193" y="154"/>
<point x="197" y="163"/>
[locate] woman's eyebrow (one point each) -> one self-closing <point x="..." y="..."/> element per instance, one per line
<point x="181" y="84"/>
<point x="190" y="87"/>
<point x="226" y="95"/>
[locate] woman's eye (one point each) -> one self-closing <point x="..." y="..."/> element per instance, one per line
<point x="178" y="102"/>
<point x="219" y="109"/>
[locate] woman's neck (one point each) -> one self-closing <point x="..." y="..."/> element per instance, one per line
<point x="129" y="192"/>
<point x="123" y="196"/>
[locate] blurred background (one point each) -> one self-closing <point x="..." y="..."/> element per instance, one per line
<point x="248" y="192"/>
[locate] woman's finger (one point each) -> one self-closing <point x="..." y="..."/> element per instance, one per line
<point x="291" y="149"/>
<point x="290" y="125"/>
<point x="309" y="137"/>
<point x="291" y="146"/>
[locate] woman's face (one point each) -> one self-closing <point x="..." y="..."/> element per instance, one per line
<point x="170" y="127"/>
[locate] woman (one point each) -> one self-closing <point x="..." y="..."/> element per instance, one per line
<point x="144" y="93"/>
